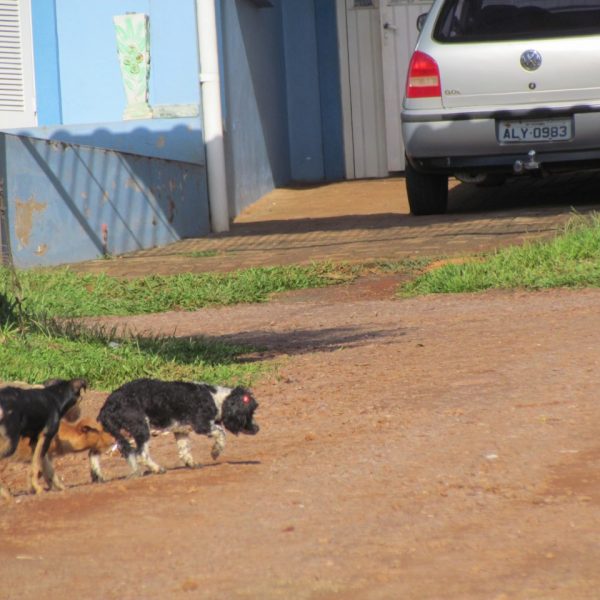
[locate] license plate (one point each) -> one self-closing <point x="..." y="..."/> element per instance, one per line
<point x="535" y="130"/>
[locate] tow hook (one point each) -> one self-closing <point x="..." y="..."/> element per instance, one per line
<point x="529" y="165"/>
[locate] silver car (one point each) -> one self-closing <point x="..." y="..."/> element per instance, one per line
<point x="498" y="88"/>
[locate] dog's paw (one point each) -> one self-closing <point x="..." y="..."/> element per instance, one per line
<point x="154" y="470"/>
<point x="216" y="451"/>
<point x="37" y="489"/>
<point x="58" y="485"/>
<point x="218" y="435"/>
<point x="114" y="450"/>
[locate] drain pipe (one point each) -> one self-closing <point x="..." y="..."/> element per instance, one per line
<point x="210" y="89"/>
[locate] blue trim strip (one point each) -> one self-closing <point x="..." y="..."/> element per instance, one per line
<point x="330" y="90"/>
<point x="45" y="56"/>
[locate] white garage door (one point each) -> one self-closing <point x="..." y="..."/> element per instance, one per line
<point x="399" y="29"/>
<point x="376" y="40"/>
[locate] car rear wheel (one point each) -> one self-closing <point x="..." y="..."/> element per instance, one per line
<point x="427" y="192"/>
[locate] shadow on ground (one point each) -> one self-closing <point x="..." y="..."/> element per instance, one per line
<point x="466" y="202"/>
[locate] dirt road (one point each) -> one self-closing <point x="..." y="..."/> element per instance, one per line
<point x="441" y="447"/>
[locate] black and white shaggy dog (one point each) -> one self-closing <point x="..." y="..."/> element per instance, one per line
<point x="36" y="414"/>
<point x="177" y="406"/>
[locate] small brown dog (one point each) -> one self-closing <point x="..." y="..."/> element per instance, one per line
<point x="83" y="435"/>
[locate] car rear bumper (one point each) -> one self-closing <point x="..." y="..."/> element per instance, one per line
<point x="440" y="143"/>
<point x="552" y="162"/>
<point x="530" y="112"/>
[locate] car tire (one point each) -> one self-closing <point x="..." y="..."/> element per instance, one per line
<point x="427" y="192"/>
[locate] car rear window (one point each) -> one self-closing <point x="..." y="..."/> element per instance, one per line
<point x="490" y="20"/>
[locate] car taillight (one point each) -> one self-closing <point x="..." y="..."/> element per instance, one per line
<point x="423" y="79"/>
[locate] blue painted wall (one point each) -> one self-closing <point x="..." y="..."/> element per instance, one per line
<point x="304" y="103"/>
<point x="256" y="132"/>
<point x="84" y="167"/>
<point x="60" y="196"/>
<point x="281" y="88"/>
<point x="90" y="78"/>
<point x="77" y="76"/>
<point x="80" y="94"/>
<point x="172" y="139"/>
<point x="282" y="96"/>
<point x="330" y="90"/>
<point x="45" y="55"/>
<point x="313" y="90"/>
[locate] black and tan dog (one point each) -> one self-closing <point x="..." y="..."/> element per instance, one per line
<point x="83" y="435"/>
<point x="177" y="406"/>
<point x="36" y="414"/>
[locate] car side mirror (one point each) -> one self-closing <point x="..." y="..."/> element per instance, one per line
<point x="421" y="21"/>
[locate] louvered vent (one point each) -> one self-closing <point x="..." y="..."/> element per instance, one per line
<point x="11" y="65"/>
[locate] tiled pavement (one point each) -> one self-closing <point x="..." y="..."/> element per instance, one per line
<point x="364" y="220"/>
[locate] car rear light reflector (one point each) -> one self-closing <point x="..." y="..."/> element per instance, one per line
<point x="423" y="79"/>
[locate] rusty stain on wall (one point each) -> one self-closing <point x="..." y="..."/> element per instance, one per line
<point x="134" y="185"/>
<point x="58" y="146"/>
<point x="25" y="210"/>
<point x="172" y="209"/>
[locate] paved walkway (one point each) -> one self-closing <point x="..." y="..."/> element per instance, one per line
<point x="368" y="220"/>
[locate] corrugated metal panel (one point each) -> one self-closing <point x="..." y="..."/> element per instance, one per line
<point x="376" y="41"/>
<point x="366" y="91"/>
<point x="139" y="202"/>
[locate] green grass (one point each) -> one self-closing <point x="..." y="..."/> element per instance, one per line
<point x="571" y="259"/>
<point x="65" y="293"/>
<point x="46" y="342"/>
<point x="107" y="361"/>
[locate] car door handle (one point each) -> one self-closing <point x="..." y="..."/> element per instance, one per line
<point x="389" y="26"/>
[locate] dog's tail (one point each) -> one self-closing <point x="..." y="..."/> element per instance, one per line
<point x="4" y="444"/>
<point x="8" y="445"/>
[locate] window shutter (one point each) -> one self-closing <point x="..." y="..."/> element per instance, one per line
<point x="16" y="65"/>
<point x="11" y="63"/>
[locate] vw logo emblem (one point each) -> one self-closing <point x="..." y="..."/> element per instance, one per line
<point x="531" y="60"/>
